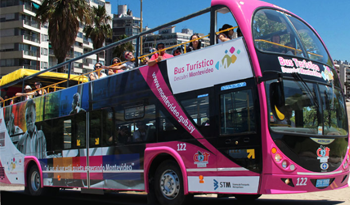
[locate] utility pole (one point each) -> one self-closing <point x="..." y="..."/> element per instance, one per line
<point x="141" y="28"/>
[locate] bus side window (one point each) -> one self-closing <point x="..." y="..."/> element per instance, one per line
<point x="127" y="121"/>
<point x="237" y="112"/>
<point x="198" y="109"/>
<point x="79" y="130"/>
<point x="95" y="129"/>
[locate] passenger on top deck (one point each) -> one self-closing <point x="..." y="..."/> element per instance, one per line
<point x="226" y="35"/>
<point x="144" y="60"/>
<point x="97" y="74"/>
<point x="40" y="92"/>
<point x="177" y="51"/>
<point x="194" y="45"/>
<point x="116" y="66"/>
<point x="276" y="47"/>
<point x="129" y="56"/>
<point x="161" y="55"/>
<point x="28" y="93"/>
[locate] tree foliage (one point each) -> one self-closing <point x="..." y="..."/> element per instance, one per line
<point x="63" y="17"/>
<point x="99" y="30"/>
<point x="120" y="49"/>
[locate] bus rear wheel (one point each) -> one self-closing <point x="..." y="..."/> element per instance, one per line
<point x="34" y="182"/>
<point x="169" y="184"/>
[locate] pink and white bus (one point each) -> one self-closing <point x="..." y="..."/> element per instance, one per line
<point x="261" y="113"/>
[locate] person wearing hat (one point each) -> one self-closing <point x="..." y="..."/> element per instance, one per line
<point x="177" y="51"/>
<point x="28" y="93"/>
<point x="160" y="55"/>
<point x="39" y="92"/>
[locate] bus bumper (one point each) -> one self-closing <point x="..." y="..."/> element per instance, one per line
<point x="289" y="184"/>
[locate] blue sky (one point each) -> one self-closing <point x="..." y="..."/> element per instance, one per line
<point x="331" y="19"/>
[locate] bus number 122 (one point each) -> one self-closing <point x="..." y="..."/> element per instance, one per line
<point x="181" y="147"/>
<point x="301" y="181"/>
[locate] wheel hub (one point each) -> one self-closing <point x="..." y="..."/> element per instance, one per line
<point x="170" y="184"/>
<point x="35" y="181"/>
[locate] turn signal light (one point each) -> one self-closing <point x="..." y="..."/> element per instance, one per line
<point x="273" y="150"/>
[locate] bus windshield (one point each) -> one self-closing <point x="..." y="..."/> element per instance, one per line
<point x="278" y="32"/>
<point x="309" y="108"/>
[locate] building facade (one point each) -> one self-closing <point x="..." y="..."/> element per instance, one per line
<point x="124" y="23"/>
<point x="343" y="70"/>
<point x="25" y="42"/>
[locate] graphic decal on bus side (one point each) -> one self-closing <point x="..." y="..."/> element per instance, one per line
<point x="204" y="68"/>
<point x="305" y="67"/>
<point x="156" y="82"/>
<point x="201" y="159"/>
<point x="11" y="160"/>
<point x="106" y="170"/>
<point x="224" y="184"/>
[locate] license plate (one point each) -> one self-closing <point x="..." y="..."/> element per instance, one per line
<point x="322" y="182"/>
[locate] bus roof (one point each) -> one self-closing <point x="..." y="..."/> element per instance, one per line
<point x="47" y="78"/>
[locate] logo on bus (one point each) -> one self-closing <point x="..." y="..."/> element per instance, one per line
<point x="228" y="59"/>
<point x="324" y="166"/>
<point x="201" y="159"/>
<point x="323" y="154"/>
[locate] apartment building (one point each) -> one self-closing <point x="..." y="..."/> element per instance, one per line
<point x="343" y="70"/>
<point x="24" y="42"/>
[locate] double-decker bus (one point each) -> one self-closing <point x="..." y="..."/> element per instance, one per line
<point x="262" y="113"/>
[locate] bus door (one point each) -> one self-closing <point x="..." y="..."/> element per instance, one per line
<point x="239" y="135"/>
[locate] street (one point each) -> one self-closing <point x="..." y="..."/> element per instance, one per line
<point x="68" y="197"/>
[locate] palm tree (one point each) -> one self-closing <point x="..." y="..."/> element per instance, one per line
<point x="120" y="49"/>
<point x="99" y="30"/>
<point x="63" y="17"/>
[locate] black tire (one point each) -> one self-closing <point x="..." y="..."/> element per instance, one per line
<point x="34" y="182"/>
<point x="247" y="197"/>
<point x="169" y="184"/>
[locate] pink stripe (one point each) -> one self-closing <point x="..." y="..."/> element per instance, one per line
<point x="156" y="82"/>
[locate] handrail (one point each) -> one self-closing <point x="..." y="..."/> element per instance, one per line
<point x="273" y="43"/>
<point x="81" y="77"/>
<point x="68" y="62"/>
<point x="184" y="43"/>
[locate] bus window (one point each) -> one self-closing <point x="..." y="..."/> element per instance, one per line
<point x="79" y="131"/>
<point x="67" y="134"/>
<point x="272" y="33"/>
<point x="136" y="124"/>
<point x="314" y="47"/>
<point x="198" y="109"/>
<point x="237" y="112"/>
<point x="95" y="129"/>
<point x="225" y="21"/>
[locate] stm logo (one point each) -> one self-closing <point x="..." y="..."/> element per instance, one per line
<point x="216" y="184"/>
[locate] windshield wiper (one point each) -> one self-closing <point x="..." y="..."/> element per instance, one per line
<point x="309" y="91"/>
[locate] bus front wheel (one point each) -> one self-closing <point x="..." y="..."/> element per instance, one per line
<point x="169" y="184"/>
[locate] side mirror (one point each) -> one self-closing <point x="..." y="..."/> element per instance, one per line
<point x="277" y="99"/>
